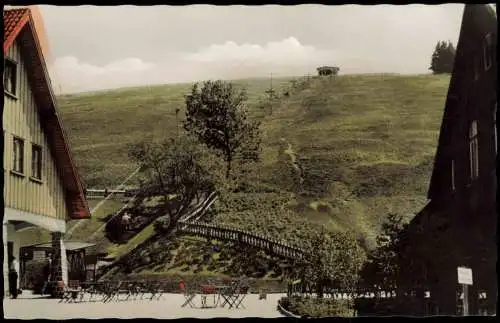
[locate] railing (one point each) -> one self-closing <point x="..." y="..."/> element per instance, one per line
<point x="95" y="193"/>
<point x="274" y="247"/>
<point x="189" y="224"/>
<point x="199" y="210"/>
<point x="300" y="287"/>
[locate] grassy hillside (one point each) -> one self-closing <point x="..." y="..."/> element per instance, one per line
<point x="102" y="124"/>
<point x="360" y="147"/>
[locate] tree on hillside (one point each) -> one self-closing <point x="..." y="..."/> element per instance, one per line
<point x="443" y="58"/>
<point x="335" y="260"/>
<point x="383" y="266"/>
<point x="178" y="169"/>
<point x="215" y="114"/>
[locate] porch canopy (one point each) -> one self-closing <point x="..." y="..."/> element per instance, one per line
<point x="69" y="245"/>
<point x="28" y="252"/>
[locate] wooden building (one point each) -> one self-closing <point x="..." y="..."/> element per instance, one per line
<point x="458" y="225"/>
<point x="42" y="187"/>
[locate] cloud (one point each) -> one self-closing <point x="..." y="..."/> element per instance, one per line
<point x="75" y="76"/>
<point x="287" y="51"/>
<point x="230" y="60"/>
<point x="227" y="60"/>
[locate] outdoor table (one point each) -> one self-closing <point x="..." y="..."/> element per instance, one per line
<point x="208" y="290"/>
<point x="91" y="287"/>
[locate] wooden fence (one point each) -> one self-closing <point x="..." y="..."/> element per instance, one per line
<point x="189" y="225"/>
<point x="96" y="193"/>
<point x="272" y="246"/>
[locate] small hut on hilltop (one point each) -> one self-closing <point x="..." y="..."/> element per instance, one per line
<point x="327" y="70"/>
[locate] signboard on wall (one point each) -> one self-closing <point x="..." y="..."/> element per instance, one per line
<point x="464" y="275"/>
<point x="39" y="255"/>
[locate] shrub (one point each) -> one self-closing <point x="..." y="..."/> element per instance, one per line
<point x="335" y="260"/>
<point x="162" y="224"/>
<point x="313" y="307"/>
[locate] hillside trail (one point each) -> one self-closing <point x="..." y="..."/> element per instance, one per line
<point x="287" y="150"/>
<point x="92" y="212"/>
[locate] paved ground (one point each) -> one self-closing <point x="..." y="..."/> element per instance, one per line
<point x="30" y="307"/>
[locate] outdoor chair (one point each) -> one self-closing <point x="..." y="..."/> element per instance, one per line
<point x="230" y="294"/>
<point x="136" y="289"/>
<point x="144" y="287"/>
<point x="110" y="290"/>
<point x="124" y="288"/>
<point x="241" y="295"/>
<point x="188" y="295"/>
<point x="90" y="288"/>
<point x="70" y="292"/>
<point x="102" y="289"/>
<point x="159" y="288"/>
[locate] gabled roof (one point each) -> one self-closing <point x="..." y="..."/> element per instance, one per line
<point x="475" y="17"/>
<point x="19" y="25"/>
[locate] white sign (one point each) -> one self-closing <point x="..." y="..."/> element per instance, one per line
<point x="464" y="275"/>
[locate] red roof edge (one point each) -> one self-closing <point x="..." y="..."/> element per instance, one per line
<point x="76" y="176"/>
<point x="17" y="29"/>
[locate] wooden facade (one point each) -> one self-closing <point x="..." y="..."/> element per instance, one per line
<point x="458" y="225"/>
<point x="42" y="188"/>
<point x="21" y="119"/>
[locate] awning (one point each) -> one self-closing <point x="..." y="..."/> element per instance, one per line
<point x="69" y="245"/>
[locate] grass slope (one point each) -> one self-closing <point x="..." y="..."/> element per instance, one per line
<point x="361" y="147"/>
<point x="102" y="124"/>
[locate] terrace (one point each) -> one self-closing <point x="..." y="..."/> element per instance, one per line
<point x="169" y="306"/>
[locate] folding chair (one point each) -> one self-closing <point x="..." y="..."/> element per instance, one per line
<point x="188" y="295"/>
<point x="243" y="292"/>
<point x="136" y="289"/>
<point x="143" y="288"/>
<point x="92" y="289"/>
<point x="159" y="290"/>
<point x="124" y="287"/>
<point x="230" y="295"/>
<point x="110" y="290"/>
<point x="71" y="292"/>
<point x="100" y="289"/>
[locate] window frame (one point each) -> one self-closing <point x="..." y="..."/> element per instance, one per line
<point x="8" y="61"/>
<point x="453" y="186"/>
<point x="474" y="149"/>
<point x="17" y="171"/>
<point x="495" y="128"/>
<point x="487" y="57"/>
<point x="36" y="148"/>
<point x="476" y="64"/>
<point x="4" y="145"/>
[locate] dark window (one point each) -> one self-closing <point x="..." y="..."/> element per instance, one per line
<point x="453" y="174"/>
<point x="473" y="150"/>
<point x="495" y="127"/>
<point x="9" y="76"/>
<point x="487" y="52"/>
<point x="36" y="162"/>
<point x="19" y="155"/>
<point x="476" y="68"/>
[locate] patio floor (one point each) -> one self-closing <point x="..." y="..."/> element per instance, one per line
<point x="29" y="306"/>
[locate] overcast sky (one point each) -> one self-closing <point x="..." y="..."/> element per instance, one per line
<point x="108" y="47"/>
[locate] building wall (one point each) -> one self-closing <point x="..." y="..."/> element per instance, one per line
<point x="21" y="119"/>
<point x="460" y="224"/>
